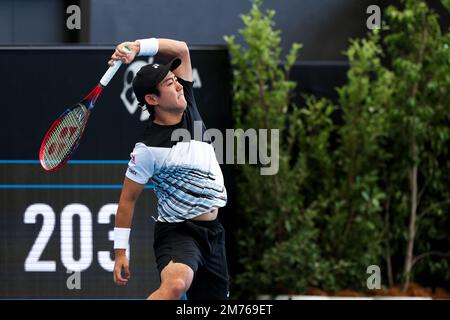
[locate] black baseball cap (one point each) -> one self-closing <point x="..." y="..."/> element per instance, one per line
<point x="150" y="75"/>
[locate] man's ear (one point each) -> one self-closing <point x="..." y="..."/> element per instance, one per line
<point x="151" y="99"/>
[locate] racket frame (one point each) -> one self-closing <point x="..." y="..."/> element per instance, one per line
<point x="88" y="102"/>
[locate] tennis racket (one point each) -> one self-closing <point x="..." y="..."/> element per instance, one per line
<point x="65" y="134"/>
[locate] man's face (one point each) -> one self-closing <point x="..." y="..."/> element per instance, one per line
<point x="171" y="96"/>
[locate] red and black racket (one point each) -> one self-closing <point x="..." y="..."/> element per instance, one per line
<point x="65" y="133"/>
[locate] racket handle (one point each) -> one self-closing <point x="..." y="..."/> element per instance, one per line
<point x="110" y="73"/>
<point x="112" y="70"/>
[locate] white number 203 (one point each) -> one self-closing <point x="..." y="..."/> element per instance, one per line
<point x="33" y="261"/>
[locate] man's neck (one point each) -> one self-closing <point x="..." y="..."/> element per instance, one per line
<point x="167" y="119"/>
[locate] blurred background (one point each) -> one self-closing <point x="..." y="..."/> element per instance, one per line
<point x="323" y="27"/>
<point x="54" y="225"/>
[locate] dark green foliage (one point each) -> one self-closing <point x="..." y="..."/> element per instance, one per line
<point x="382" y="196"/>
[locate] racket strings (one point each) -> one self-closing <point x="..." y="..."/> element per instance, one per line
<point x="64" y="136"/>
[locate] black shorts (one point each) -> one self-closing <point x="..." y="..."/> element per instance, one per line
<point x="201" y="246"/>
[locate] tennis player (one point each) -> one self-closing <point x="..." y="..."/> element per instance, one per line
<point x="189" y="240"/>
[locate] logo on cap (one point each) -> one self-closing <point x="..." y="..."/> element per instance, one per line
<point x="156" y="66"/>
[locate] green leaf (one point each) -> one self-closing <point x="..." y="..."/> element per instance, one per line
<point x="446" y="4"/>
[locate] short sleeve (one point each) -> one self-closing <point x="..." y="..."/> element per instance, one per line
<point x="188" y="89"/>
<point x="141" y="165"/>
<point x="192" y="110"/>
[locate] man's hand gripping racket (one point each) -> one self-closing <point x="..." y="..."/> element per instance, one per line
<point x="64" y="135"/>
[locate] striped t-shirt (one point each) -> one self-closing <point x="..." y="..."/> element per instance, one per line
<point x="187" y="177"/>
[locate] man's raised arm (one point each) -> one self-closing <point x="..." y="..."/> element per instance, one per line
<point x="166" y="48"/>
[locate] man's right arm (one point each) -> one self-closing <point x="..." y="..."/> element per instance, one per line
<point x="168" y="48"/>
<point x="172" y="48"/>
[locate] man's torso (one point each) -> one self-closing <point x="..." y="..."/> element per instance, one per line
<point x="187" y="178"/>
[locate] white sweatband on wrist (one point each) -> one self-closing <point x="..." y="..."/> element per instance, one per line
<point x="148" y="47"/>
<point x="121" y="237"/>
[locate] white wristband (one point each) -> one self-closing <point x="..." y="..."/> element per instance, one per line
<point x="121" y="237"/>
<point x="149" y="47"/>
